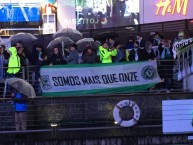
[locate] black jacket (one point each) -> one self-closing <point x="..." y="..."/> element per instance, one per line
<point x="56" y="59"/>
<point x="90" y="59"/>
<point x="142" y="55"/>
<point x="151" y="55"/>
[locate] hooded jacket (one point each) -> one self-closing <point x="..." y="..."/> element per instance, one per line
<point x="105" y="55"/>
<point x="14" y="61"/>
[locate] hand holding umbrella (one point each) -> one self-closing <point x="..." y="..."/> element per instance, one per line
<point x="22" y="86"/>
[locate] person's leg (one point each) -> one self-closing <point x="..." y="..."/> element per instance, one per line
<point x="122" y="8"/>
<point x="23" y="119"/>
<point x="17" y="121"/>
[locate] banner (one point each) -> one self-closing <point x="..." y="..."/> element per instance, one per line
<point x="84" y="79"/>
<point x="180" y="46"/>
<point x="177" y="116"/>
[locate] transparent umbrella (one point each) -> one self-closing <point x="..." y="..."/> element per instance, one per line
<point x="60" y="40"/>
<point x="73" y="34"/>
<point x="24" y="37"/>
<point x="83" y="42"/>
<point x="21" y="86"/>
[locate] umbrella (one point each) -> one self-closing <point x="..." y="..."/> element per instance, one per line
<point x="60" y="40"/>
<point x="24" y="37"/>
<point x="83" y="42"/>
<point x="73" y="34"/>
<point x="105" y="35"/>
<point x="21" y="86"/>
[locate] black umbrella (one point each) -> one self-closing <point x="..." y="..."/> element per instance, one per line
<point x="73" y="34"/>
<point x="106" y="35"/>
<point x="83" y="42"/>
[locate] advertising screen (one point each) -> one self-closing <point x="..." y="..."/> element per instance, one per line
<point x="20" y="11"/>
<point x="153" y="11"/>
<point x="96" y="14"/>
<point x="66" y="14"/>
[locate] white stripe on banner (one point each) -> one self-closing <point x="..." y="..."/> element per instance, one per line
<point x="68" y="78"/>
<point x="177" y="116"/>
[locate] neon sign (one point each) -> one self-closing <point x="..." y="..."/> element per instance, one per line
<point x="169" y="7"/>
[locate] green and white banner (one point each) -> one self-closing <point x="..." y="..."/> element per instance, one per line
<point x="182" y="45"/>
<point x="68" y="80"/>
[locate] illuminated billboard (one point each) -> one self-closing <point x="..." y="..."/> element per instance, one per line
<point x="152" y="11"/>
<point x="20" y="11"/>
<point x="96" y="14"/>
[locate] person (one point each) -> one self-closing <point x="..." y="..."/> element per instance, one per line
<point x="89" y="55"/>
<point x="137" y="54"/>
<point x="181" y="36"/>
<point x="23" y="61"/>
<point x="120" y="7"/>
<point x="111" y="42"/>
<point x="5" y="53"/>
<point x="122" y="53"/>
<point x="39" y="58"/>
<point x="2" y="63"/>
<point x="156" y="39"/>
<point x="13" y="63"/>
<point x="105" y="54"/>
<point x="6" y="56"/>
<point x="141" y="41"/>
<point x="130" y="43"/>
<point x="23" y="53"/>
<point x="109" y="8"/>
<point x="56" y="58"/>
<point x="165" y="68"/>
<point x="39" y="55"/>
<point x="20" y="105"/>
<point x="150" y="53"/>
<point x="73" y="55"/>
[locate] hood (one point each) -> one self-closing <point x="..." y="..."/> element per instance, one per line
<point x="13" y="50"/>
<point x="101" y="47"/>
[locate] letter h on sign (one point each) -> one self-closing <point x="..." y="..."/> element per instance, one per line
<point x="167" y="6"/>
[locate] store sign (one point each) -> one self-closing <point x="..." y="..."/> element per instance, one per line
<point x="167" y="6"/>
<point x="165" y="10"/>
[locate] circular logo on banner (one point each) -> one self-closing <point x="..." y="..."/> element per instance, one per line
<point x="149" y="73"/>
<point x="131" y="115"/>
<point x="46" y="83"/>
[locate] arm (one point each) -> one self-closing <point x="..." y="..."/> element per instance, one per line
<point x="105" y="54"/>
<point x="114" y="52"/>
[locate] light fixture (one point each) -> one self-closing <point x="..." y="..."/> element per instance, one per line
<point x="115" y="122"/>
<point x="53" y="124"/>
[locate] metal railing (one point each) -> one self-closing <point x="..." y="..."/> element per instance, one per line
<point x="46" y="114"/>
<point x="168" y="71"/>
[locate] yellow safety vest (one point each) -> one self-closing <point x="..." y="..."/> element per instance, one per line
<point x="14" y="61"/>
<point x="105" y="55"/>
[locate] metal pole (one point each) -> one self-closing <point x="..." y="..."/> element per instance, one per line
<point x="23" y="73"/>
<point x="185" y="80"/>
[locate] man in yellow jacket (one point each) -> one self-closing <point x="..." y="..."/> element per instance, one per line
<point x="105" y="54"/>
<point x="14" y="63"/>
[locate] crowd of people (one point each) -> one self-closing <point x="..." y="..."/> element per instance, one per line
<point x="110" y="51"/>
